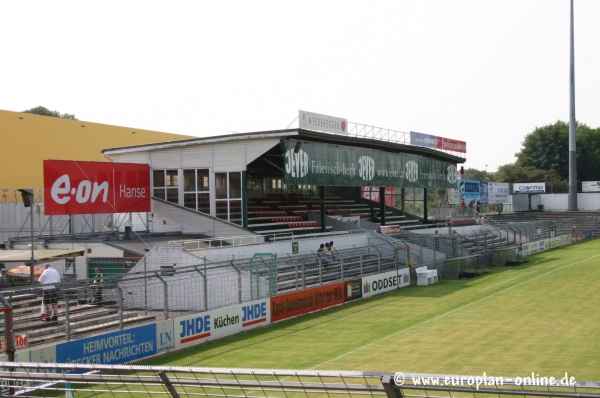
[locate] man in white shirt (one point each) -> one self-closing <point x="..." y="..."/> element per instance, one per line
<point x="49" y="277"/>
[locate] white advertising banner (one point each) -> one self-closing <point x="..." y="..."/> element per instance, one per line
<point x="498" y="192"/>
<point x="210" y="325"/>
<point x="529" y="187"/>
<point x="544" y="244"/>
<point x="590" y="186"/>
<point x="165" y="340"/>
<point x="404" y="277"/>
<point x="315" y="121"/>
<point x="381" y="283"/>
<point x="453" y="196"/>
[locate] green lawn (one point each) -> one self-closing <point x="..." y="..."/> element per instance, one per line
<point x="542" y="316"/>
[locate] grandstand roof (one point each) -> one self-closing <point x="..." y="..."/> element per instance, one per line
<point x="301" y="134"/>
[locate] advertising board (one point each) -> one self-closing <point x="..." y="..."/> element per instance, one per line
<point x="380" y="283"/>
<point x="498" y="192"/>
<point x="297" y="303"/>
<point x="77" y="187"/>
<point x="165" y="336"/>
<point x="316" y="121"/>
<point x="433" y="141"/>
<point x="327" y="164"/>
<point x="403" y="277"/>
<point x="529" y="187"/>
<point x="469" y="190"/>
<point x="111" y="348"/>
<point x="210" y="325"/>
<point x="590" y="186"/>
<point x="353" y="289"/>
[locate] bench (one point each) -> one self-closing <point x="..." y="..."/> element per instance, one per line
<point x="426" y="276"/>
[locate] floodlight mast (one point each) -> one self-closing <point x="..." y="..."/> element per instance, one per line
<point x="572" y="125"/>
<point x="28" y="201"/>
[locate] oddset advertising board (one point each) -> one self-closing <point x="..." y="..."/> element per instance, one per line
<point x="78" y="187"/>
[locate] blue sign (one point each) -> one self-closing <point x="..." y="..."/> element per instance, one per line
<point x="469" y="190"/>
<point x="111" y="348"/>
<point x="420" y="139"/>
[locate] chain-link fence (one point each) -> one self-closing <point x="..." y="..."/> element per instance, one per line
<point x="166" y="292"/>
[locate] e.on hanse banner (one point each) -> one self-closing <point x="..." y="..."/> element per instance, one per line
<point x="77" y="187"/>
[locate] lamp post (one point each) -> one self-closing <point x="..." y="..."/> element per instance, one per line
<point x="27" y="195"/>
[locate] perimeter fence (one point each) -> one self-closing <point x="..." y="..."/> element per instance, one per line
<point x="42" y="379"/>
<point x="164" y="292"/>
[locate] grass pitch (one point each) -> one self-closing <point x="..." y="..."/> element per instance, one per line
<point x="542" y="316"/>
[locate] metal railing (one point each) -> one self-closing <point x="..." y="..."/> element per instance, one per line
<point x="44" y="379"/>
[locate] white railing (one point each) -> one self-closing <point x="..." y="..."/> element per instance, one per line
<point x="207" y="243"/>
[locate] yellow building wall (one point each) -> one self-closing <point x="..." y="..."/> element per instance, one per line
<point x="26" y="140"/>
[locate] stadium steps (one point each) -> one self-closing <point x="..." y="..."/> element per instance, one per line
<point x="83" y="318"/>
<point x="312" y="270"/>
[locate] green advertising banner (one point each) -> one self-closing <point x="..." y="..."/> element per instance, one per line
<point x="324" y="164"/>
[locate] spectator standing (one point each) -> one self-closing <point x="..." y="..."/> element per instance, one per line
<point x="463" y="206"/>
<point x="334" y="253"/>
<point x="328" y="256"/>
<point x="98" y="281"/>
<point x="48" y="279"/>
<point x="4" y="278"/>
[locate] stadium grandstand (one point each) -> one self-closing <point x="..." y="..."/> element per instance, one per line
<point x="233" y="232"/>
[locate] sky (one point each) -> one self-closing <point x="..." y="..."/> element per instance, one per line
<point x="487" y="72"/>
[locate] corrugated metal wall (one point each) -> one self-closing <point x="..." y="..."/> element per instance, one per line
<point x="165" y="159"/>
<point x="135" y="157"/>
<point x="197" y="157"/>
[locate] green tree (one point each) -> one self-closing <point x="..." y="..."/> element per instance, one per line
<point x="588" y="153"/>
<point x="43" y="111"/>
<point x="512" y="173"/>
<point x="547" y="148"/>
<point x="476" y="175"/>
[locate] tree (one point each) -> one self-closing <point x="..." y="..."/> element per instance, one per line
<point x="547" y="148"/>
<point x="476" y="175"/>
<point x="588" y="153"/>
<point x="512" y="173"/>
<point x="43" y="111"/>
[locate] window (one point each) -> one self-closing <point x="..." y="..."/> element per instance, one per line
<point x="165" y="184"/>
<point x="228" y="190"/>
<point x="196" y="193"/>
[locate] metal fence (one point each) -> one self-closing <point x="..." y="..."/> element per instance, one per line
<point x="167" y="292"/>
<point x="42" y="379"/>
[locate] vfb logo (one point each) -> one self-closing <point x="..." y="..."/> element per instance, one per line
<point x="296" y="162"/>
<point x="367" y="168"/>
<point x="412" y="171"/>
<point x="451" y="174"/>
